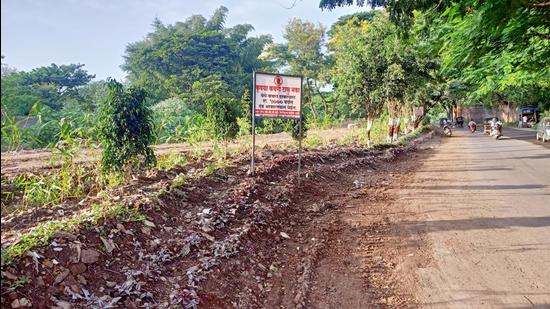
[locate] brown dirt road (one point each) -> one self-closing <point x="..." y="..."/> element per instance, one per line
<point x="481" y="215"/>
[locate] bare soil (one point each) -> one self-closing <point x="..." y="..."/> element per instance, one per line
<point x="38" y="160"/>
<point x="324" y="240"/>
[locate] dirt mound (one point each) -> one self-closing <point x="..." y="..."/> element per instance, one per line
<point x="226" y="240"/>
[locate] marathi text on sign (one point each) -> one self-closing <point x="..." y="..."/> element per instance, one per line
<point x="277" y="96"/>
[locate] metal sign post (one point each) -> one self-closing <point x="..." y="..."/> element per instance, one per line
<point x="252" y="167"/>
<point x="300" y="145"/>
<point x="276" y="96"/>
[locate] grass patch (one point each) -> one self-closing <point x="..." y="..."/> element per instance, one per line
<point x="179" y="181"/>
<point x="171" y="160"/>
<point x="313" y="140"/>
<point x="39" y="236"/>
<point x="42" y="233"/>
<point x="68" y="182"/>
<point x="405" y="139"/>
<point x="70" y="179"/>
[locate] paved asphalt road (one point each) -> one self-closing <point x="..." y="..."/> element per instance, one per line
<point x="483" y="209"/>
<point x="528" y="135"/>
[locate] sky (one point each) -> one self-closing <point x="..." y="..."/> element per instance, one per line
<point x="95" y="32"/>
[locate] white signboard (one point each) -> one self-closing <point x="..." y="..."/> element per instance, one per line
<point x="277" y="96"/>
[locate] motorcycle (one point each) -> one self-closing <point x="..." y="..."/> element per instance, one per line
<point x="497" y="131"/>
<point x="447" y="130"/>
<point x="460" y="121"/>
<point x="472" y="126"/>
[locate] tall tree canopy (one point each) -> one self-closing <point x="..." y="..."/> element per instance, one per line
<point x="496" y="49"/>
<point x="173" y="57"/>
<point x="302" y="54"/>
<point x="52" y="86"/>
<point x="376" y="67"/>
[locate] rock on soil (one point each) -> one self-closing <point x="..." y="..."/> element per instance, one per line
<point x="89" y="256"/>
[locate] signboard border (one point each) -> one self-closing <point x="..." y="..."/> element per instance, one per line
<point x="275" y="74"/>
<point x="252" y="165"/>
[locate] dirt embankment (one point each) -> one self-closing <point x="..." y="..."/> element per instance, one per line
<point x="228" y="240"/>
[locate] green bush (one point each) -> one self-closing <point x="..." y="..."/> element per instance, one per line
<point x="293" y="128"/>
<point x="245" y="120"/>
<point x="125" y="129"/>
<point x="222" y="118"/>
<point x="172" y="118"/>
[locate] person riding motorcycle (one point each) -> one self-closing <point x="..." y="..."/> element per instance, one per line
<point x="472" y="125"/>
<point x="496" y="127"/>
<point x="446" y="125"/>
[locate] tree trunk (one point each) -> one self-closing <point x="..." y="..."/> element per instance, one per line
<point x="389" y="138"/>
<point x="392" y="113"/>
<point x="309" y="99"/>
<point x="508" y="111"/>
<point x="313" y="110"/>
<point x="369" y="127"/>
<point x="396" y="128"/>
<point x="225" y="154"/>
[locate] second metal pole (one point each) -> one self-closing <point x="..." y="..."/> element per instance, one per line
<point x="300" y="145"/>
<point x="252" y="167"/>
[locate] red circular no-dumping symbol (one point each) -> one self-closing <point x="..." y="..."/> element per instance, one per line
<point x="278" y="80"/>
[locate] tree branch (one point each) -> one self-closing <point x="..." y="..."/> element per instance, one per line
<point x="538" y="4"/>
<point x="291" y="6"/>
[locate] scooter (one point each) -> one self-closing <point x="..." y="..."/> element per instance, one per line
<point x="497" y="131"/>
<point x="447" y="130"/>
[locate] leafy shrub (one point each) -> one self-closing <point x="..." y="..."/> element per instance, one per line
<point x="222" y="118"/>
<point x="125" y="128"/>
<point x="245" y="121"/>
<point x="270" y="125"/>
<point x="293" y="128"/>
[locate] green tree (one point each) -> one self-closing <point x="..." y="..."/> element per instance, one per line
<point x="302" y="54"/>
<point x="374" y="66"/>
<point x="245" y="119"/>
<point x="172" y="58"/>
<point x="54" y="84"/>
<point x="221" y="116"/>
<point x="355" y="76"/>
<point x="203" y="88"/>
<point x="125" y="129"/>
<point x="497" y="49"/>
<point x="92" y="94"/>
<point x="17" y="98"/>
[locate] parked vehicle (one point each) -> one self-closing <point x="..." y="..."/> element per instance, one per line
<point x="543" y="130"/>
<point x="528" y="117"/>
<point x="487" y="126"/>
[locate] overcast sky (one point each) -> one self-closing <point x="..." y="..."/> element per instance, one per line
<point x="95" y="32"/>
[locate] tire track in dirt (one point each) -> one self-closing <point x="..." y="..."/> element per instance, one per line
<point x="336" y="256"/>
<point x="357" y="268"/>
